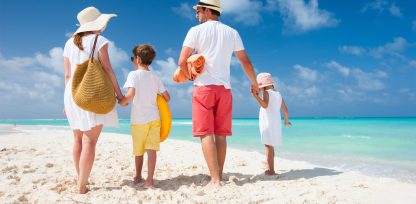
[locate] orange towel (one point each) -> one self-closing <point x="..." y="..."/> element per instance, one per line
<point x="195" y="68"/>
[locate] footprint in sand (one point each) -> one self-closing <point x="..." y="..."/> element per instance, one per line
<point x="6" y="151"/>
<point x="9" y="169"/>
<point x="49" y="165"/>
<point x="200" y="193"/>
<point x="2" y="194"/>
<point x="23" y="199"/>
<point x="29" y="171"/>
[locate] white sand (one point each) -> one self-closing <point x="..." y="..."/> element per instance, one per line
<point x="36" y="167"/>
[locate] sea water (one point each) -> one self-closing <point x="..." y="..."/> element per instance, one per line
<point x="373" y="146"/>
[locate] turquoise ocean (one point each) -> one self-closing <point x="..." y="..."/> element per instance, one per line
<point x="373" y="146"/>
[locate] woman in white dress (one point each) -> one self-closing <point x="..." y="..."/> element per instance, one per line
<point x="270" y="118"/>
<point x="86" y="125"/>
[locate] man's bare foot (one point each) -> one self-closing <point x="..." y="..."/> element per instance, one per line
<point x="82" y="190"/>
<point x="137" y="179"/>
<point x="269" y="173"/>
<point x="214" y="184"/>
<point x="148" y="184"/>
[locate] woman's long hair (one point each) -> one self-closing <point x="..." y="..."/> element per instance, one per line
<point x="78" y="38"/>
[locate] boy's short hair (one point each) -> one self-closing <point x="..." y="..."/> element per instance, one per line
<point x="146" y="53"/>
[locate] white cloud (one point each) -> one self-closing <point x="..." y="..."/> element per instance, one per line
<point x="165" y="70"/>
<point x="353" y="50"/>
<point x="300" y="17"/>
<point x="394" y="10"/>
<point x="54" y="61"/>
<point x="68" y="34"/>
<point x="305" y="73"/>
<point x="368" y="81"/>
<point x="243" y="11"/>
<point x="118" y="56"/>
<point x="394" y="48"/>
<point x="171" y="52"/>
<point x="381" y="6"/>
<point x="345" y="71"/>
<point x="185" y="10"/>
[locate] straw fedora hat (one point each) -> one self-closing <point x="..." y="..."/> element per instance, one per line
<point x="91" y="19"/>
<point x="211" y="4"/>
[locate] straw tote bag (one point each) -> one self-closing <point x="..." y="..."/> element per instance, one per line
<point x="92" y="89"/>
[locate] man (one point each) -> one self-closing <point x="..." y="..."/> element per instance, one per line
<point x="212" y="99"/>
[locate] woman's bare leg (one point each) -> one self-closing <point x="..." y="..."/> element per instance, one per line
<point x="76" y="151"/>
<point x="89" y="141"/>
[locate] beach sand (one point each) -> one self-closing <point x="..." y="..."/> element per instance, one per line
<point x="36" y="167"/>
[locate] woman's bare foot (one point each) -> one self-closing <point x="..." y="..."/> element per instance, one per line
<point x="270" y="172"/>
<point x="148" y="184"/>
<point x="137" y="179"/>
<point x="82" y="190"/>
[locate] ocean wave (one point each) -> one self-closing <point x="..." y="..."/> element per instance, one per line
<point x="357" y="136"/>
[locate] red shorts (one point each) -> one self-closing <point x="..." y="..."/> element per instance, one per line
<point x="211" y="110"/>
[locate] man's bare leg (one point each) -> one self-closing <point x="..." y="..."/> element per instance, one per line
<point x="210" y="153"/>
<point x="221" y="144"/>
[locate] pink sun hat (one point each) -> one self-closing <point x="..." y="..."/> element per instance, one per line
<point x="264" y="79"/>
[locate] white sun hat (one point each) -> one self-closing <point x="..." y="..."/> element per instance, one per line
<point x="91" y="19"/>
<point x="211" y="4"/>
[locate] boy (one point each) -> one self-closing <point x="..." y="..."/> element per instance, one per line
<point x="143" y="86"/>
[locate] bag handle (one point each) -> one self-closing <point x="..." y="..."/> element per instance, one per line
<point x="93" y="47"/>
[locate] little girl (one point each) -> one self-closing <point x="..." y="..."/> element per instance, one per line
<point x="269" y="117"/>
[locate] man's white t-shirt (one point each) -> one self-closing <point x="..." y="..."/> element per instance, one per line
<point x="147" y="85"/>
<point x="216" y="42"/>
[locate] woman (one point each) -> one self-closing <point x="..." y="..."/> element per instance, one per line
<point x="86" y="125"/>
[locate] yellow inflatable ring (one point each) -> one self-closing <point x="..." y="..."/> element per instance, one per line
<point x="165" y="117"/>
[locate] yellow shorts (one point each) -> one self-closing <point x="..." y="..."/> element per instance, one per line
<point x="145" y="137"/>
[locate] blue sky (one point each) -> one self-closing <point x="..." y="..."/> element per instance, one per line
<point x="344" y="59"/>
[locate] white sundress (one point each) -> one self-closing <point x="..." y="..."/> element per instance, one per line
<point x="270" y="122"/>
<point x="78" y="118"/>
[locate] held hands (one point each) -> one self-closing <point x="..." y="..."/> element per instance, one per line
<point x="254" y="90"/>
<point x="121" y="101"/>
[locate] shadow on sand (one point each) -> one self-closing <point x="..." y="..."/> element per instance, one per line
<point x="239" y="179"/>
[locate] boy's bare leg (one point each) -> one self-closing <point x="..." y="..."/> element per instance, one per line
<point x="151" y="164"/>
<point x="210" y="154"/>
<point x="221" y="145"/>
<point x="270" y="160"/>
<point x="138" y="161"/>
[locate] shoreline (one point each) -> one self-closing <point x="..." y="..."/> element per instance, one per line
<point x="39" y="163"/>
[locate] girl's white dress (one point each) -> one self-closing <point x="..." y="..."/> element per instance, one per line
<point x="270" y="122"/>
<point x="78" y="118"/>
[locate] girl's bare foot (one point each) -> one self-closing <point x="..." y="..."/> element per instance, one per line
<point x="270" y="173"/>
<point x="137" y="179"/>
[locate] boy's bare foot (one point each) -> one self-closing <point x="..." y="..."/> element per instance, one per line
<point x="269" y="173"/>
<point x="148" y="184"/>
<point x="137" y="179"/>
